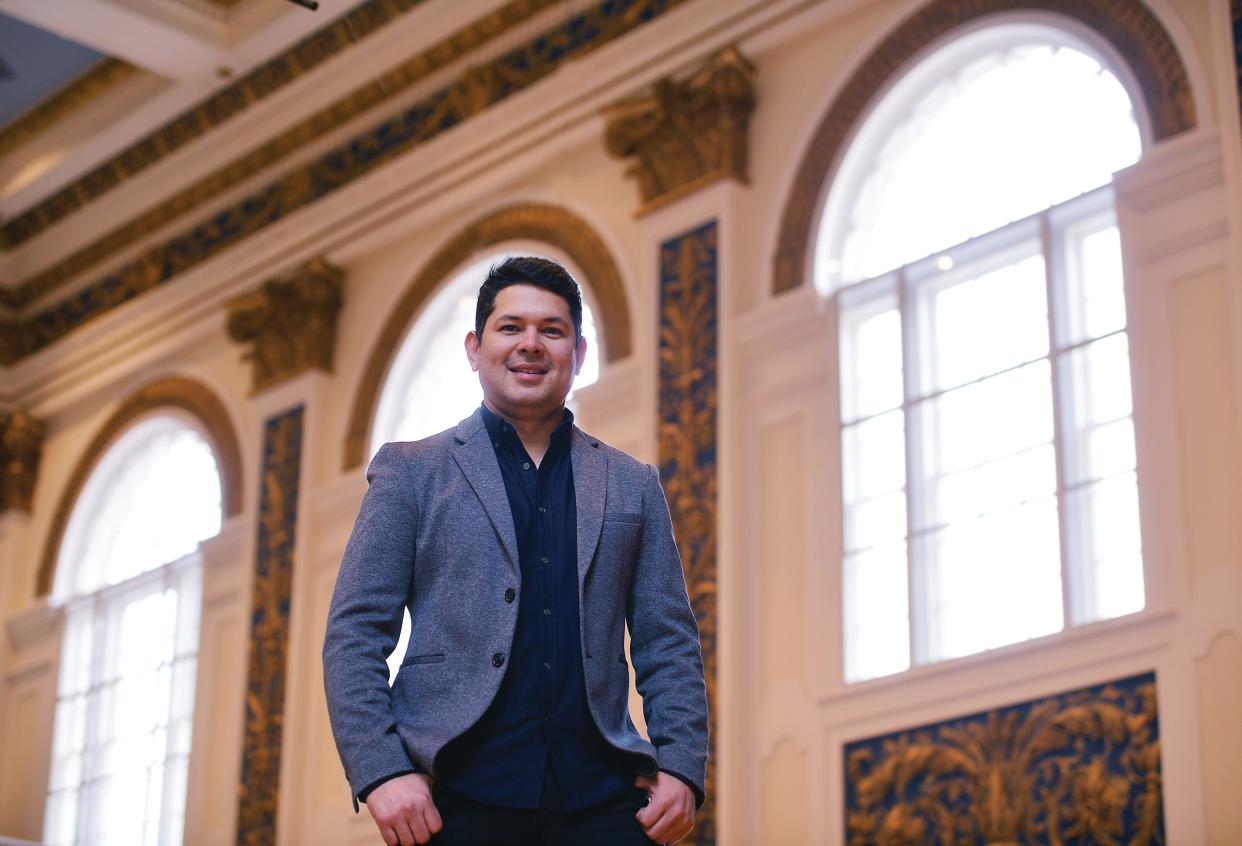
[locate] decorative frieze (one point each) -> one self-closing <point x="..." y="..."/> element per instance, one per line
<point x="687" y="133"/>
<point x="290" y="323"/>
<point x="21" y="444"/>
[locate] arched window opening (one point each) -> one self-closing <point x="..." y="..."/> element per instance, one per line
<point x="129" y="578"/>
<point x="430" y="385"/>
<point x="989" y="481"/>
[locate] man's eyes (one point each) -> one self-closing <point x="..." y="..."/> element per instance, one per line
<point x="510" y="328"/>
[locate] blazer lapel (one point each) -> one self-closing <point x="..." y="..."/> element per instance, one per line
<point x="590" y="465"/>
<point x="477" y="458"/>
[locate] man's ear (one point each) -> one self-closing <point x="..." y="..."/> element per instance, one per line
<point x="472" y="350"/>
<point x="581" y="356"/>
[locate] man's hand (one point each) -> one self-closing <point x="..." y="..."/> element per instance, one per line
<point x="669" y="814"/>
<point x="403" y="810"/>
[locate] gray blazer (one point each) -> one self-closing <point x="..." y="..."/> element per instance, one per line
<point x="435" y="534"/>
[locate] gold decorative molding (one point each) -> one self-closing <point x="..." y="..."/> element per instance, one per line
<point x="95" y="80"/>
<point x="258" y="789"/>
<point x="205" y="116"/>
<point x="1078" y="767"/>
<point x="548" y="224"/>
<point x="21" y="444"/>
<point x="188" y="395"/>
<point x="688" y="447"/>
<point x="290" y="323"/>
<point x="1129" y="26"/>
<point x="686" y="134"/>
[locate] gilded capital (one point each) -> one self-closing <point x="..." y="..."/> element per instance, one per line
<point x="21" y="443"/>
<point x="290" y="323"/>
<point x="686" y="133"/>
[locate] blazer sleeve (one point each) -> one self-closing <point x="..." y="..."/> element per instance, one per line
<point x="364" y="623"/>
<point x="664" y="646"/>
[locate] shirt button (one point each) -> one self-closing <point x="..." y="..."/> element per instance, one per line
<point x="544" y="559"/>
<point x="510" y="595"/>
<point x="526" y="465"/>
<point x="547" y="612"/>
<point x="498" y="660"/>
<point x="546" y="665"/>
<point x="542" y="509"/>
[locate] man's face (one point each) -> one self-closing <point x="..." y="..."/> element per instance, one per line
<point x="527" y="358"/>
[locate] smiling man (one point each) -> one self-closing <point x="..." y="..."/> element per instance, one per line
<point x="522" y="547"/>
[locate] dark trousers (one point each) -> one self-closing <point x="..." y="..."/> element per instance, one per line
<point x="470" y="823"/>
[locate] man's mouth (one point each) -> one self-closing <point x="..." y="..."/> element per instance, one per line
<point x="528" y="369"/>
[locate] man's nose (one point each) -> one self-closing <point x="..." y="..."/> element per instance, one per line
<point x="531" y="340"/>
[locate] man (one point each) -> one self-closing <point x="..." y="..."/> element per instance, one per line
<point x="522" y="547"/>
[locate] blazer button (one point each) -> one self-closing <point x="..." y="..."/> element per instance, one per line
<point x="498" y="660"/>
<point x="510" y="595"/>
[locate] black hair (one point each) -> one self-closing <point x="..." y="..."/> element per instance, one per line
<point x="528" y="270"/>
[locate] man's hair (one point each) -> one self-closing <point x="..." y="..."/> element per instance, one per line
<point x="528" y="270"/>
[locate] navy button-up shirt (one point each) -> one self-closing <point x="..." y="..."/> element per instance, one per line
<point x="537" y="745"/>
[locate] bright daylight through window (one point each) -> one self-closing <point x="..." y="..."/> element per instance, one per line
<point x="129" y="579"/>
<point x="989" y="485"/>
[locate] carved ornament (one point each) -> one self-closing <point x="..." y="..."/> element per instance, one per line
<point x="686" y="133"/>
<point x="290" y="323"/>
<point x="21" y="444"/>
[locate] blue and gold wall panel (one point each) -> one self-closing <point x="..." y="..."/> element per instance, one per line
<point x="1075" y="769"/>
<point x="269" y="630"/>
<point x="687" y="441"/>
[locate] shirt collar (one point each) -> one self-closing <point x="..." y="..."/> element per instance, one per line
<point x="498" y="427"/>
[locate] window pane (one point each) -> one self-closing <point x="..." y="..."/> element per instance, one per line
<point x="1107" y="546"/>
<point x="994" y="580"/>
<point x="1096" y="293"/>
<point x="873" y="457"/>
<point x="981" y="326"/>
<point x="1099" y="433"/>
<point x="870" y="338"/>
<point x="987" y="420"/>
<point x="876" y="622"/>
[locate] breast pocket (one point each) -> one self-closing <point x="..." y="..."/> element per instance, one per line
<point x="429" y="658"/>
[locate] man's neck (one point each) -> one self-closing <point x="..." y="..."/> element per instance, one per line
<point x="535" y="433"/>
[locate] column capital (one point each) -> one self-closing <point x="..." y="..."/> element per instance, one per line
<point x="21" y="444"/>
<point x="290" y="323"/>
<point x="686" y="133"/>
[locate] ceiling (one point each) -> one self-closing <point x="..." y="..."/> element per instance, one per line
<point x="34" y="63"/>
<point x="82" y="79"/>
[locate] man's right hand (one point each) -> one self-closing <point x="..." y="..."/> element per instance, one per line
<point x="403" y="810"/>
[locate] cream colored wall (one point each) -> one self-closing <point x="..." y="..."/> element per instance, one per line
<point x="783" y="713"/>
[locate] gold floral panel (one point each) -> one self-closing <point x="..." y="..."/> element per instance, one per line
<point x="687" y="446"/>
<point x="1074" y="769"/>
<point x="262" y="743"/>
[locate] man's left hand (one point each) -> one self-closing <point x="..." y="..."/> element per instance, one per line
<point x="669" y="814"/>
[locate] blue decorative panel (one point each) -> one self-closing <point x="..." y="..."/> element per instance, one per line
<point x="269" y="630"/>
<point x="1075" y="769"/>
<point x="687" y="442"/>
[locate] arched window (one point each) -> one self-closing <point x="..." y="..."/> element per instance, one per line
<point x="430" y="385"/>
<point x="969" y="241"/>
<point x="129" y="579"/>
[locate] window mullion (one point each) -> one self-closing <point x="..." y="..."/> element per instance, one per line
<point x="1056" y="286"/>
<point x="916" y="565"/>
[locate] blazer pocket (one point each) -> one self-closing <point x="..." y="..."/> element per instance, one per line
<point x="623" y="517"/>
<point x="432" y="658"/>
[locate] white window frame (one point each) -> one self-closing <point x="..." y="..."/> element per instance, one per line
<point x="1042" y="234"/>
